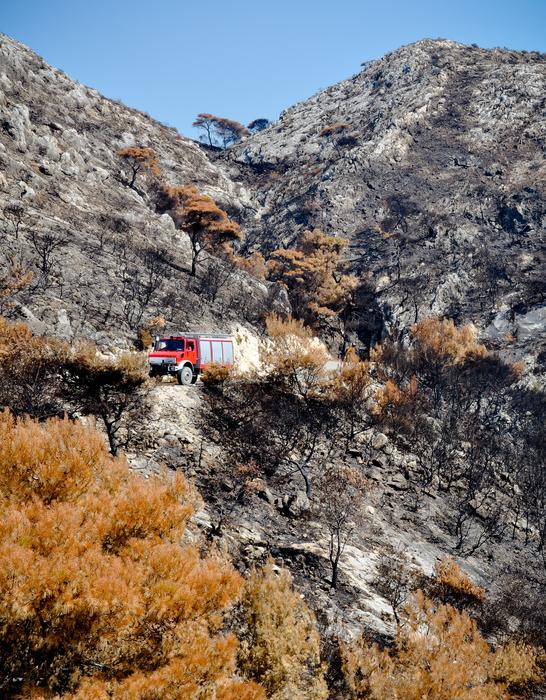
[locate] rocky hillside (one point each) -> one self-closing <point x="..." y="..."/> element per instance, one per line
<point x="431" y="161"/>
<point x="102" y="257"/>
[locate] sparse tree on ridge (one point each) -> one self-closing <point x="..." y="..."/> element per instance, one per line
<point x="219" y="131"/>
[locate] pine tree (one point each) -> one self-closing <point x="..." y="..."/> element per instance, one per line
<point x="137" y="160"/>
<point x="208" y="226"/>
<point x="312" y="274"/>
<point x="219" y="131"/>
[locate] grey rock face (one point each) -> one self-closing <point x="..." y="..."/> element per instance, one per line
<point x="58" y="144"/>
<point x="379" y="441"/>
<point x="436" y="175"/>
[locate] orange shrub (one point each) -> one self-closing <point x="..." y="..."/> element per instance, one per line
<point x="30" y="370"/>
<point x="144" y="339"/>
<point x="296" y="360"/>
<point x="98" y="597"/>
<point x="43" y="376"/>
<point x="14" y="280"/>
<point x="391" y="400"/>
<point x="452" y="585"/>
<point x="438" y="654"/>
<point x="445" y="340"/>
<point x="348" y="391"/>
<point x="350" y="384"/>
<point x="280" y="643"/>
<point x="282" y="327"/>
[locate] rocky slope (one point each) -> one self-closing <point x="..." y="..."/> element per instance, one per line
<point x="431" y="161"/>
<point x="259" y="524"/>
<point x="103" y="259"/>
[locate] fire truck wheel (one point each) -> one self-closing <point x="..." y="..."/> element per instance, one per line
<point x="194" y="377"/>
<point x="185" y="376"/>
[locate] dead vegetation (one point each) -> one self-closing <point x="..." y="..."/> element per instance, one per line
<point x="438" y="653"/>
<point x="44" y="377"/>
<point x="96" y="554"/>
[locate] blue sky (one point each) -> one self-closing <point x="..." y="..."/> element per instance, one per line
<point x="243" y="59"/>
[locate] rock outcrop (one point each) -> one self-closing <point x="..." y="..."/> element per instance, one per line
<point x="431" y="161"/>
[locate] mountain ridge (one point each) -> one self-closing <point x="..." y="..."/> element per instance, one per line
<point x="413" y="180"/>
<point x="439" y="146"/>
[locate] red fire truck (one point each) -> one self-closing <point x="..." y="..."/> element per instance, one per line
<point x="186" y="355"/>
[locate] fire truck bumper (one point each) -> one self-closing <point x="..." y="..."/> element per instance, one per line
<point x="162" y="366"/>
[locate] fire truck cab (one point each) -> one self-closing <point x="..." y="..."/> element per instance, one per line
<point x="187" y="355"/>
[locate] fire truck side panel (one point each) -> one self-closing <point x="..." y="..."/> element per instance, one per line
<point x="215" y="350"/>
<point x="205" y="353"/>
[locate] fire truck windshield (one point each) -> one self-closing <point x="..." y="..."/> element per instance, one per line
<point x="170" y="344"/>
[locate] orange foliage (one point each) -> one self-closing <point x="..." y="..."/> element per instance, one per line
<point x="215" y="375"/>
<point x="448" y="342"/>
<point x="333" y="129"/>
<point x="349" y="390"/>
<point x="16" y="279"/>
<point x="451" y="583"/>
<point x="296" y="360"/>
<point x="156" y="324"/>
<point x="350" y="384"/>
<point x="438" y="654"/>
<point x="207" y="226"/>
<point x="98" y="597"/>
<point x="391" y="397"/>
<point x="285" y="327"/>
<point x="104" y="386"/>
<point x="255" y="265"/>
<point x="145" y="334"/>
<point x="281" y="645"/>
<point x="311" y="273"/>
<point x="139" y="159"/>
<point x="144" y="339"/>
<point x="43" y="376"/>
<point x="219" y="131"/>
<point x="29" y="369"/>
